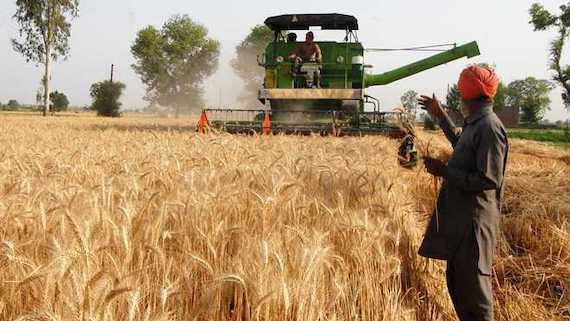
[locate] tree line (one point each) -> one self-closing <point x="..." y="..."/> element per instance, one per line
<point x="174" y="60"/>
<point x="530" y="95"/>
<point x="58" y="102"/>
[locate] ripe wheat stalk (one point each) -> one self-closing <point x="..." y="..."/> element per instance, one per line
<point x="130" y="219"/>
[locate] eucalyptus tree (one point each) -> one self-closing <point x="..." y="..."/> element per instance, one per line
<point x="44" y="32"/>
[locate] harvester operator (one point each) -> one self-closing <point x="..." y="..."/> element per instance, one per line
<point x="464" y="229"/>
<point x="308" y="51"/>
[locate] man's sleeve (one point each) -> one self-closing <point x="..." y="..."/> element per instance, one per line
<point x="491" y="150"/>
<point x="449" y="129"/>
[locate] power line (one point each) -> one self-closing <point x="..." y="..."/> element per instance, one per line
<point x="431" y="48"/>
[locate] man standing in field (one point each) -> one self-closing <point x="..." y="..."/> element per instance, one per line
<point x="464" y="231"/>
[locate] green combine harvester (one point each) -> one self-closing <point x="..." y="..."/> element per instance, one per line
<point x="328" y="96"/>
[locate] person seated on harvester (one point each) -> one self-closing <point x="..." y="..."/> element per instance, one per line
<point x="291" y="37"/>
<point x="307" y="57"/>
<point x="307" y="51"/>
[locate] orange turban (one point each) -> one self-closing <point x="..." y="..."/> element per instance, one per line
<point x="477" y="81"/>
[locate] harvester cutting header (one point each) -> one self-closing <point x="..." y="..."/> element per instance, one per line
<point x="320" y="86"/>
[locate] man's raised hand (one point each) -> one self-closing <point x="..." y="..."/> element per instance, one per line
<point x="432" y="105"/>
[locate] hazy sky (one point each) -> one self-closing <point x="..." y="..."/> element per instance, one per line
<point x="105" y="30"/>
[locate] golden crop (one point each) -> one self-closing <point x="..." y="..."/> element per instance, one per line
<point x="142" y="219"/>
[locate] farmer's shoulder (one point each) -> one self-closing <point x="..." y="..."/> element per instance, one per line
<point x="490" y="122"/>
<point x="490" y="128"/>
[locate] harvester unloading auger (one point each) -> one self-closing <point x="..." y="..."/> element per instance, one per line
<point x="327" y="97"/>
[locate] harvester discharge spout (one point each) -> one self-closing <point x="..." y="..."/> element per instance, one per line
<point x="468" y="50"/>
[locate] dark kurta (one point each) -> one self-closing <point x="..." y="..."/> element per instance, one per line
<point x="469" y="206"/>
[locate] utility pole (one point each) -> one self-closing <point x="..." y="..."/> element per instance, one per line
<point x="112" y="71"/>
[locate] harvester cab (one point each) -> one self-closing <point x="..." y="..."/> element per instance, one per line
<point x="326" y="96"/>
<point x="324" y="85"/>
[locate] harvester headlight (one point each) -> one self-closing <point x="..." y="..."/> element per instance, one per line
<point x="340" y="60"/>
<point x="280" y="59"/>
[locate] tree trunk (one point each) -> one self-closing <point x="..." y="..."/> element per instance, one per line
<point x="47" y="76"/>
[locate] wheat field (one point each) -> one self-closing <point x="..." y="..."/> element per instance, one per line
<point x="142" y="219"/>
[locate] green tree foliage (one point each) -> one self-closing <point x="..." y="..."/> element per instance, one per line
<point x="410" y="101"/>
<point x="245" y="64"/>
<point x="501" y="97"/>
<point x="429" y="123"/>
<point x="453" y="98"/>
<point x="531" y="96"/>
<point x="13" y="104"/>
<point x="106" y="96"/>
<point x="59" y="101"/>
<point x="44" y="31"/>
<point x="174" y="61"/>
<point x="542" y="20"/>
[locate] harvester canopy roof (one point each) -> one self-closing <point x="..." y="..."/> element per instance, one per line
<point x="329" y="21"/>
